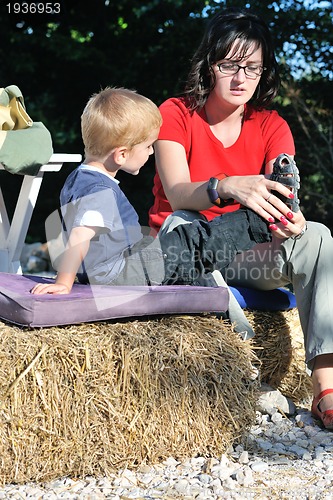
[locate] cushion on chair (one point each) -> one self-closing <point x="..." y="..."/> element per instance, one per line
<point x="93" y="303"/>
<point x="264" y="300"/>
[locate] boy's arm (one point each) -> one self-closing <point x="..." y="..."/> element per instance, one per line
<point x="76" y="250"/>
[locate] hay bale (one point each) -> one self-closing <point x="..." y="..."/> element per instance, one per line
<point x="88" y="399"/>
<point x="280" y="348"/>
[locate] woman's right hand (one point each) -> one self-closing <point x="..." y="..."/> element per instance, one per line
<point x="257" y="193"/>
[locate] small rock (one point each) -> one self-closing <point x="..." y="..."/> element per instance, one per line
<point x="244" y="457"/>
<point x="230" y="484"/>
<point x="271" y="400"/>
<point x="259" y="466"/>
<point x="205" y="478"/>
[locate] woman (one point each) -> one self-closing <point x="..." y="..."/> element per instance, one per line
<point x="216" y="151"/>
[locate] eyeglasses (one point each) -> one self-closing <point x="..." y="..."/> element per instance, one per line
<point x="231" y="68"/>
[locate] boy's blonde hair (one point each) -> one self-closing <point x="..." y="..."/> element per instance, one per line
<point x="117" y="117"/>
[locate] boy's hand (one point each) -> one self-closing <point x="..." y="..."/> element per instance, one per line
<point x="76" y="250"/>
<point x="51" y="288"/>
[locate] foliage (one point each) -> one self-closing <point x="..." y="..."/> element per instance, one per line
<point x="312" y="122"/>
<point x="58" y="61"/>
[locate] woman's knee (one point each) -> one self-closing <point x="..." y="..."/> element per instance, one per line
<point x="180" y="217"/>
<point x="318" y="230"/>
<point x="313" y="249"/>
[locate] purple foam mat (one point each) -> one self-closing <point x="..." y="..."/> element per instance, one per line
<point x="95" y="303"/>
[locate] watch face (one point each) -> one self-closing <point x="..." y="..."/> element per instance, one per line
<point x="213" y="194"/>
<point x="213" y="183"/>
<point x="211" y="189"/>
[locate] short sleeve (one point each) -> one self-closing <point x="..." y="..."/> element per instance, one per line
<point x="98" y="209"/>
<point x="103" y="204"/>
<point x="176" y="122"/>
<point x="277" y="136"/>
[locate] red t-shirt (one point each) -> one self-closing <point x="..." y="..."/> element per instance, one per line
<point x="264" y="136"/>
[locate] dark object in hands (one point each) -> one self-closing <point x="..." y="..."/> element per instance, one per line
<point x="286" y="172"/>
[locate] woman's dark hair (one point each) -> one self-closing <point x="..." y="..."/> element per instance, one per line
<point x="220" y="36"/>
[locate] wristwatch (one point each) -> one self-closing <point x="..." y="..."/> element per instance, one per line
<point x="213" y="195"/>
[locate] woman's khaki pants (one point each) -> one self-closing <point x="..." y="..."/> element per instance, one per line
<point x="306" y="263"/>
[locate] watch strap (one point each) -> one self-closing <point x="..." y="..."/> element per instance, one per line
<point x="213" y="194"/>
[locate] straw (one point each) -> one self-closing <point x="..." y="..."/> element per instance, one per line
<point x="88" y="399"/>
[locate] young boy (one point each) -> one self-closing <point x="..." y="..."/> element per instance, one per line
<point x="105" y="244"/>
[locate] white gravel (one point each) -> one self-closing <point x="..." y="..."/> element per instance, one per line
<point x="284" y="458"/>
